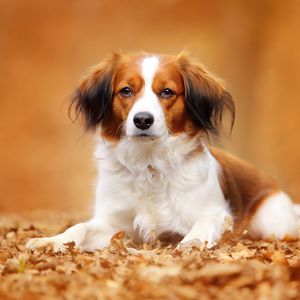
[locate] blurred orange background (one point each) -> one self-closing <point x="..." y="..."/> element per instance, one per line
<point x="45" y="46"/>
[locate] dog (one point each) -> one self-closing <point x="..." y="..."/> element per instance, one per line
<point x="152" y="115"/>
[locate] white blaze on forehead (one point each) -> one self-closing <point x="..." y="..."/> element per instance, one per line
<point x="147" y="102"/>
<point x="149" y="67"/>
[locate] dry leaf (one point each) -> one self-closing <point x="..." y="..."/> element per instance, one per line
<point x="233" y="269"/>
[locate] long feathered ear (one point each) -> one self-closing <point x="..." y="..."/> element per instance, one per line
<point x="93" y="98"/>
<point x="206" y="99"/>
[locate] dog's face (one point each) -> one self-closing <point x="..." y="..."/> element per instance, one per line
<point x="147" y="97"/>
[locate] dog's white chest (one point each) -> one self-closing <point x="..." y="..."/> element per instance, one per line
<point x="159" y="191"/>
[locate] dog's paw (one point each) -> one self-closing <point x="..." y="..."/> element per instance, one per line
<point x="184" y="244"/>
<point x="189" y="244"/>
<point x="39" y="243"/>
<point x="144" y="227"/>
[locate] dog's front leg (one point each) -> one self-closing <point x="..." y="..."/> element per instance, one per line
<point x="207" y="230"/>
<point x="87" y="236"/>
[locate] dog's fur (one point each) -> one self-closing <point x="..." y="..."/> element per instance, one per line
<point x="164" y="177"/>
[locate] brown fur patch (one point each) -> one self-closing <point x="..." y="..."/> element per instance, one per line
<point x="243" y="185"/>
<point x="168" y="76"/>
<point x="127" y="74"/>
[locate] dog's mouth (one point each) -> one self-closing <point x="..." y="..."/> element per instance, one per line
<point x="143" y="137"/>
<point x="147" y="136"/>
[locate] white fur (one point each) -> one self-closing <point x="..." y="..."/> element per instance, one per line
<point x="152" y="187"/>
<point x="158" y="189"/>
<point x="148" y="102"/>
<point x="277" y="216"/>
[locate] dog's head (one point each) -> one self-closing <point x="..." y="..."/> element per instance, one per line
<point x="144" y="96"/>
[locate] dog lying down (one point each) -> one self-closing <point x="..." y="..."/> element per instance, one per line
<point x="151" y="114"/>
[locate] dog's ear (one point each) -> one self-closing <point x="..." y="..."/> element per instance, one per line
<point x="206" y="99"/>
<point x="93" y="98"/>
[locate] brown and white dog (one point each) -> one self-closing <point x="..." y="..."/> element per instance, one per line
<point x="157" y="174"/>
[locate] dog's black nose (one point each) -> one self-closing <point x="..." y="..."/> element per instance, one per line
<point x="143" y="120"/>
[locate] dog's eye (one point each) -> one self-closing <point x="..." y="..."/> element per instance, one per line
<point x="126" y="92"/>
<point x="167" y="93"/>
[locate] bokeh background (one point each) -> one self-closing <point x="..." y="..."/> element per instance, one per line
<point x="45" y="46"/>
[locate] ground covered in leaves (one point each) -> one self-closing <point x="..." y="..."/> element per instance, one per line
<point x="235" y="269"/>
